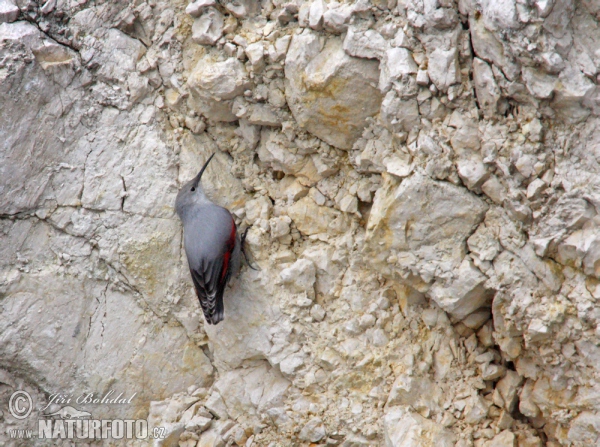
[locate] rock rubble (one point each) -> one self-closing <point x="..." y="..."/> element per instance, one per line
<point x="421" y="184"/>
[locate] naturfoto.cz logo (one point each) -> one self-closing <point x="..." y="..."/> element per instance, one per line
<point x="71" y="423"/>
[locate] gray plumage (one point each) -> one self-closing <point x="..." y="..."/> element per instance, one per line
<point x="212" y="245"/>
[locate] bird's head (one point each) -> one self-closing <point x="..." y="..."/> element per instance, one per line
<point x="191" y="193"/>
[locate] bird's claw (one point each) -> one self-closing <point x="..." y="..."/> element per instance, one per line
<point x="243" y="241"/>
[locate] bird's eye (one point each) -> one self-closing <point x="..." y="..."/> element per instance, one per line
<point x="193" y="189"/>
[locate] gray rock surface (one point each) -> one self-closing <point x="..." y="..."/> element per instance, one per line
<point x="421" y="183"/>
<point x="9" y="11"/>
<point x="330" y="93"/>
<point x="208" y="27"/>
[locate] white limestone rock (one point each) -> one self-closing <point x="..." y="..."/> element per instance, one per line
<point x="399" y="165"/>
<point x="197" y="126"/>
<point x="573" y="249"/>
<point x="419" y="393"/>
<point x="214" y="84"/>
<point x="422" y="77"/>
<point x="443" y="68"/>
<point x="290" y="189"/>
<point x="330" y="359"/>
<point x="505" y="438"/>
<point x="208" y="439"/>
<point x="476" y="409"/>
<point x="311" y="218"/>
<point x="477" y="319"/>
<point x="488" y="93"/>
<point x="464" y="294"/>
<point x="491" y="371"/>
<point x="397" y="62"/>
<point x="278" y="51"/>
<point x="540" y="85"/>
<point x="591" y="261"/>
<point x="303" y="15"/>
<point x="538" y="330"/>
<point x="259" y="208"/>
<point x="330" y="93"/>
<point x="196" y="7"/>
<point x="337" y="17"/>
<point x="287" y="13"/>
<point x="291" y="364"/>
<point x="54" y="356"/>
<point x="251" y="391"/>
<point x="483" y="244"/>
<point x="327" y="270"/>
<point x="216" y="406"/>
<point x="317" y="312"/>
<point x="366" y="44"/>
<point x="544" y="7"/>
<point x="23" y="32"/>
<point x="498" y="15"/>
<point x="473" y="173"/>
<point x="138" y="87"/>
<point x="554" y="63"/>
<point x="171" y="434"/>
<point x="277" y="151"/>
<point x="300" y="276"/>
<point x="198" y="423"/>
<point x="570" y="213"/>
<point x="526" y="404"/>
<point x="264" y="115"/>
<point x="8" y="11"/>
<point x="105" y="131"/>
<point x="119" y="56"/>
<point x="585" y="40"/>
<point x="585" y="429"/>
<point x="252" y="315"/>
<point x="535" y="188"/>
<point x="494" y="189"/>
<point x="403" y="428"/>
<point x="280" y="226"/>
<point x="217" y="182"/>
<point x="402" y="40"/>
<point x="574" y="87"/>
<point x="256" y="55"/>
<point x="349" y="204"/>
<point x="22" y="127"/>
<point x="490" y="49"/>
<point x="315" y="17"/>
<point x="509" y="387"/>
<point x="208" y="27"/>
<point x="399" y="114"/>
<point x="242" y="8"/>
<point x="313" y="431"/>
<point x="395" y="225"/>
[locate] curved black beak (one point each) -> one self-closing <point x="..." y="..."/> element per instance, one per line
<point x="199" y="176"/>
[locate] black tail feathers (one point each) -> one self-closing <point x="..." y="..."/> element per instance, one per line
<point x="218" y="313"/>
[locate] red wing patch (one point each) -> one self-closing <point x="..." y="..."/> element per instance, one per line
<point x="229" y="250"/>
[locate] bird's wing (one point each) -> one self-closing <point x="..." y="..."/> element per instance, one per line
<point x="210" y="279"/>
<point x="207" y="289"/>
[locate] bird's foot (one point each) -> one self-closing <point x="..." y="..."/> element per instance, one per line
<point x="243" y="241"/>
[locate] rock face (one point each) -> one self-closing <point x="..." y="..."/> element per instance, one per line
<point x="330" y="93"/>
<point x="420" y="183"/>
<point x="96" y="263"/>
<point x="443" y="68"/>
<point x="403" y="429"/>
<point x="432" y="236"/>
<point x="208" y="28"/>
<point x="214" y="85"/>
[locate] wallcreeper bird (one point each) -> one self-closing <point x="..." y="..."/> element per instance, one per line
<point x="212" y="245"/>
